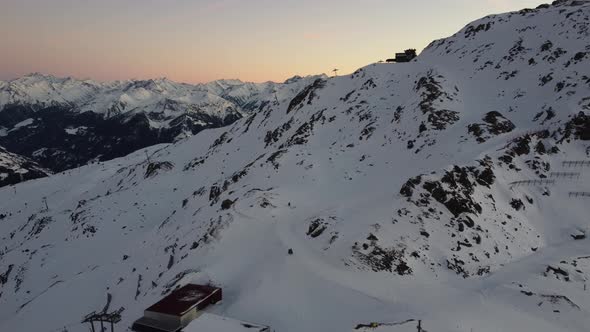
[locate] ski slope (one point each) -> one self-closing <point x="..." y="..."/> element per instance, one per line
<point x="432" y="191"/>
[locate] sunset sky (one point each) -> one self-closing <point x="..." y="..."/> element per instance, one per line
<point x="203" y="40"/>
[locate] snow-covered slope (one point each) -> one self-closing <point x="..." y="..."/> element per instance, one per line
<point x="62" y="123"/>
<point x="444" y="191"/>
<point x="15" y="169"/>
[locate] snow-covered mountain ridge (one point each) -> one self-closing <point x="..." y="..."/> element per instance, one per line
<point x="63" y="123"/>
<point x="15" y="169"/>
<point x="150" y="96"/>
<point x="449" y="190"/>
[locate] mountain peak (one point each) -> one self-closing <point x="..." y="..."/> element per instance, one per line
<point x="39" y="76"/>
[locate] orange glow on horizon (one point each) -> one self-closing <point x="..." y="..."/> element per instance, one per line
<point x="204" y="40"/>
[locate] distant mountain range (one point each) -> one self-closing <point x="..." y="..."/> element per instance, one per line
<point x="62" y="123"/>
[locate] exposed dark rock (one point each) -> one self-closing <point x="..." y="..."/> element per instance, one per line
<point x="546" y="46"/>
<point x="402" y="268"/>
<point x="379" y="259"/>
<point x="579" y="56"/>
<point x="457" y="199"/>
<point x="456" y="265"/>
<point x="494" y="124"/>
<point x="305" y="130"/>
<point x="226" y="204"/>
<point x="521" y="146"/>
<point x="546" y="79"/>
<point x="473" y="30"/>
<point x="558" y="272"/>
<point x="275" y="135"/>
<point x="4" y="276"/>
<point x="408" y="188"/>
<point x="430" y="91"/>
<point x="154" y="168"/>
<point x="578" y="127"/>
<point x="316" y="227"/>
<point x="517" y="204"/>
<point x="486" y="177"/>
<point x="498" y="124"/>
<point x="214" y="193"/>
<point x="309" y="92"/>
<point x="39" y="225"/>
<point x="273" y="159"/>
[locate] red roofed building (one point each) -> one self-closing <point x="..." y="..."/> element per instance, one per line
<point x="178" y="309"/>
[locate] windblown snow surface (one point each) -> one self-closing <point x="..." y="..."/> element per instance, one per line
<point x="443" y="191"/>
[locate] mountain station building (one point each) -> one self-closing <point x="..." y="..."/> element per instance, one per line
<point x="178" y="309"/>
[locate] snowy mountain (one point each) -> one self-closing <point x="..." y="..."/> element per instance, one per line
<point x="15" y="169"/>
<point x="450" y="192"/>
<point x="62" y="123"/>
